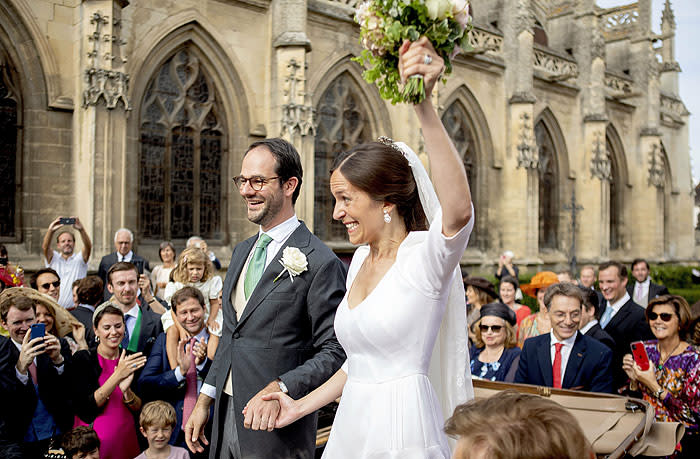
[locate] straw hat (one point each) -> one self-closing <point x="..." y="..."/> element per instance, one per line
<point x="540" y="280"/>
<point x="64" y="319"/>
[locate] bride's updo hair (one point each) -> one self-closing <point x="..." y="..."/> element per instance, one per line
<point x="385" y="175"/>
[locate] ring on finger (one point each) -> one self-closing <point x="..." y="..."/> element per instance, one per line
<point x="133" y="365"/>
<point x="427" y="59"/>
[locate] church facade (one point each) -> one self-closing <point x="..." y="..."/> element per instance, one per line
<point x="136" y="113"/>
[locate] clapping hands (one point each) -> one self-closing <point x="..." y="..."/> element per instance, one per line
<point x="127" y="366"/>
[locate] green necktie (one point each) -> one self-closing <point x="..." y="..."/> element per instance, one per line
<point x="256" y="265"/>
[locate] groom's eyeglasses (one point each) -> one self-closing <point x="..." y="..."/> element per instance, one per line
<point x="665" y="316"/>
<point x="494" y="328"/>
<point x="256" y="182"/>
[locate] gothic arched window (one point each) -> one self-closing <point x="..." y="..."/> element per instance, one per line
<point x="342" y="124"/>
<point x="9" y="126"/>
<point x="615" y="209"/>
<point x="548" y="183"/>
<point x="456" y="122"/>
<point x="182" y="137"/>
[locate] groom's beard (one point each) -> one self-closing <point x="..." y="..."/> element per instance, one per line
<point x="270" y="208"/>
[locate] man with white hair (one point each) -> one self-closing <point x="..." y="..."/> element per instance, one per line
<point x="123" y="243"/>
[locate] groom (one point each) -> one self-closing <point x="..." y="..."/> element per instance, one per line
<point x="278" y="323"/>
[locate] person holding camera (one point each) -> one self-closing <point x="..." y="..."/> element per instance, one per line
<point x="69" y="265"/>
<point x="33" y="378"/>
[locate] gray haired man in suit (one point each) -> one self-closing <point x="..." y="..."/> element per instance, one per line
<point x="281" y="291"/>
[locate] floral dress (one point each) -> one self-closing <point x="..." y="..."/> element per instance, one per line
<point x="680" y="376"/>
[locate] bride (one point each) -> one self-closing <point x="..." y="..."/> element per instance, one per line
<point x="397" y="292"/>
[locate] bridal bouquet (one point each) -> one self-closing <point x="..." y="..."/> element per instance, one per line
<point x="385" y="24"/>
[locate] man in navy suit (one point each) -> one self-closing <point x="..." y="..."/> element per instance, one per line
<point x="33" y="381"/>
<point x="158" y="381"/>
<point x="622" y="318"/>
<point x="564" y="358"/>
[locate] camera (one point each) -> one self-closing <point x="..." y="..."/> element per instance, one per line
<point x="66" y="221"/>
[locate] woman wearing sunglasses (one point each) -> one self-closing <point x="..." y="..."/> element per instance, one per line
<point x="494" y="353"/>
<point x="670" y="384"/>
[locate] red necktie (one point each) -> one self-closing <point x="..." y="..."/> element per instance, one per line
<point x="556" y="366"/>
<point x="190" y="387"/>
<point x="32" y="372"/>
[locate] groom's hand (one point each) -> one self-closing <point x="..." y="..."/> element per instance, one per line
<point x="194" y="429"/>
<point x="261" y="414"/>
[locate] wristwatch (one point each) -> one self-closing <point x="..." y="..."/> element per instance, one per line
<point x="283" y="386"/>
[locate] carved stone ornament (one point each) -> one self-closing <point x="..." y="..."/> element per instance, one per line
<point x="524" y="17"/>
<point x="597" y="41"/>
<point x="106" y="85"/>
<point x="527" y="153"/>
<point x="600" y="160"/>
<point x="299" y="119"/>
<point x="657" y="175"/>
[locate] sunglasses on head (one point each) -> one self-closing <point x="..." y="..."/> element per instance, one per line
<point x="494" y="328"/>
<point x="665" y="316"/>
<point x="49" y="284"/>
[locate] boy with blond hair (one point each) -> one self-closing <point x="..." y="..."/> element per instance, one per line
<point x="157" y="421"/>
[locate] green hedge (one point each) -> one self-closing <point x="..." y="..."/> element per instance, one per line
<point x="677" y="277"/>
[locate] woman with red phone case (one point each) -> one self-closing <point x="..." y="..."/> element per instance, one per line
<point x="671" y="380"/>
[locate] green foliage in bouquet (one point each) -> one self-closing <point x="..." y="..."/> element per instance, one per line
<point x="386" y="24"/>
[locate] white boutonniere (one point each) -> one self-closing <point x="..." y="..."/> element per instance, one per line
<point x="293" y="261"/>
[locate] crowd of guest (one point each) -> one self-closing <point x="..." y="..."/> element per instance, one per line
<point x="581" y="338"/>
<point x="121" y="356"/>
<point x="85" y="362"/>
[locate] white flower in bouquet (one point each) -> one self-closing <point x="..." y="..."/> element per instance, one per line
<point x="438" y="9"/>
<point x="461" y="12"/>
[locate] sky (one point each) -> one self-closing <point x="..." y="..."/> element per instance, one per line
<point x="687" y="13"/>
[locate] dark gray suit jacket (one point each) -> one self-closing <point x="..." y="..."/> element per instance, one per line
<point x="286" y="332"/>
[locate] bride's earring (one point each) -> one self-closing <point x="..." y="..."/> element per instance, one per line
<point x="387" y="217"/>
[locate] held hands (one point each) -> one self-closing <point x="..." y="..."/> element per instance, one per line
<point x="289" y="409"/>
<point x="413" y="61"/>
<point x="261" y="414"/>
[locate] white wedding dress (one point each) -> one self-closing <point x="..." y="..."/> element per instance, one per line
<point x="389" y="409"/>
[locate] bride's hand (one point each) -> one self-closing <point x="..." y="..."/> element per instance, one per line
<point x="412" y="61"/>
<point x="289" y="408"/>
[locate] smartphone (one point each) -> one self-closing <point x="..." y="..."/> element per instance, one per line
<point x="67" y="221"/>
<point x="37" y="331"/>
<point x="139" y="265"/>
<point x="640" y="355"/>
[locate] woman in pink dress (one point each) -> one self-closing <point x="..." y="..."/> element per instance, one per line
<point x="101" y="385"/>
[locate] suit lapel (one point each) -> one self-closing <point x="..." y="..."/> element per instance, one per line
<point x="619" y="316"/>
<point x="545" y="360"/>
<point x="300" y="239"/>
<point x="573" y="366"/>
<point x="238" y="259"/>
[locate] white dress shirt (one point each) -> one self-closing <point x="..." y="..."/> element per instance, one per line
<point x="588" y="326"/>
<point x="126" y="257"/>
<point x="568" y="345"/>
<point x="279" y="235"/>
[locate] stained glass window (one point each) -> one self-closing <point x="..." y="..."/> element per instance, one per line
<point x="9" y="112"/>
<point x="182" y="147"/>
<point x="548" y="183"/>
<point x="342" y="124"/>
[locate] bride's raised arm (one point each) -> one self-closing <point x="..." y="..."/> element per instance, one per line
<point x="448" y="175"/>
